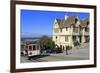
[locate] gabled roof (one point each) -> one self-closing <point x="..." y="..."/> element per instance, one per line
<point x="60" y="22"/>
<point x="84" y="23"/>
<point x="71" y="20"/>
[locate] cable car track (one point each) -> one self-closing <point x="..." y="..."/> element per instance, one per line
<point x="38" y="60"/>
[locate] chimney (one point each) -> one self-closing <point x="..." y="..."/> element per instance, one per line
<point x="66" y="16"/>
<point x="77" y="17"/>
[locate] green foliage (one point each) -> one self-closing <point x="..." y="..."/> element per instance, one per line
<point x="34" y="42"/>
<point x="76" y="43"/>
<point x="46" y="42"/>
<point x="68" y="47"/>
<point x="22" y="45"/>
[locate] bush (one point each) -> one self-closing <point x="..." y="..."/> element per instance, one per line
<point x="76" y="43"/>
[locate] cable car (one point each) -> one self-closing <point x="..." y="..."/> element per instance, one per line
<point x="33" y="50"/>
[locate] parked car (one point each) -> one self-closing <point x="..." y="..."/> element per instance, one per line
<point x="54" y="50"/>
<point x="43" y="52"/>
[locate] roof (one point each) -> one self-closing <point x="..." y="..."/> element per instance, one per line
<point x="60" y="22"/>
<point x="71" y="20"/>
<point x="84" y="23"/>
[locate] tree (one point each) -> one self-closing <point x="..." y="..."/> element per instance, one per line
<point x="76" y="43"/>
<point x="34" y="42"/>
<point x="46" y="42"/>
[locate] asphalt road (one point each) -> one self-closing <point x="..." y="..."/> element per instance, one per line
<point x="76" y="54"/>
<point x="81" y="53"/>
<point x="24" y="59"/>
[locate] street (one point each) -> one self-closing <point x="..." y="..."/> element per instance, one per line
<point x="75" y="54"/>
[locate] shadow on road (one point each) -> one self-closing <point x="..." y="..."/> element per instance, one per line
<point x="38" y="56"/>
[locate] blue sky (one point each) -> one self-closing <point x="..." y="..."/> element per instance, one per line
<point x="38" y="23"/>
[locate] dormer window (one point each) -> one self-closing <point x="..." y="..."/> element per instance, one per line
<point x="87" y="23"/>
<point x="76" y="20"/>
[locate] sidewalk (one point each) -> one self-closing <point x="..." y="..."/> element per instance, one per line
<point x="75" y="53"/>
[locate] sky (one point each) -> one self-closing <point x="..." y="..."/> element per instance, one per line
<point x="36" y="23"/>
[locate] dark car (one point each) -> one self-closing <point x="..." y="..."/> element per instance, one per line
<point x="43" y="51"/>
<point x="54" y="50"/>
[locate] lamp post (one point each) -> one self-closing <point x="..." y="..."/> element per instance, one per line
<point x="66" y="50"/>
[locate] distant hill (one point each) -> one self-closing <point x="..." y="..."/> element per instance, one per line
<point x="33" y="36"/>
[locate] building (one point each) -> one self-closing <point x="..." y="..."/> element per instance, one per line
<point x="70" y="29"/>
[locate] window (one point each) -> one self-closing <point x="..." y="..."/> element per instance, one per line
<point x="30" y="48"/>
<point x="66" y="38"/>
<point x="76" y="20"/>
<point x="87" y="23"/>
<point x="56" y="37"/>
<point x="66" y="28"/>
<point x="74" y="38"/>
<point x="37" y="47"/>
<point x="34" y="47"/>
<point x="86" y="29"/>
<point x="75" y="29"/>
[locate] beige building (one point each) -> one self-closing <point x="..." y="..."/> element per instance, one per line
<point x="70" y="29"/>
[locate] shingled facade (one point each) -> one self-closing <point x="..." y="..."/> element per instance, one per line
<point x="70" y="29"/>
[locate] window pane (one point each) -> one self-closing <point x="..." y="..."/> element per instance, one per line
<point x="56" y="37"/>
<point x="66" y="38"/>
<point x="34" y="47"/>
<point x="37" y="47"/>
<point x="66" y="28"/>
<point x="30" y="48"/>
<point x="75" y="29"/>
